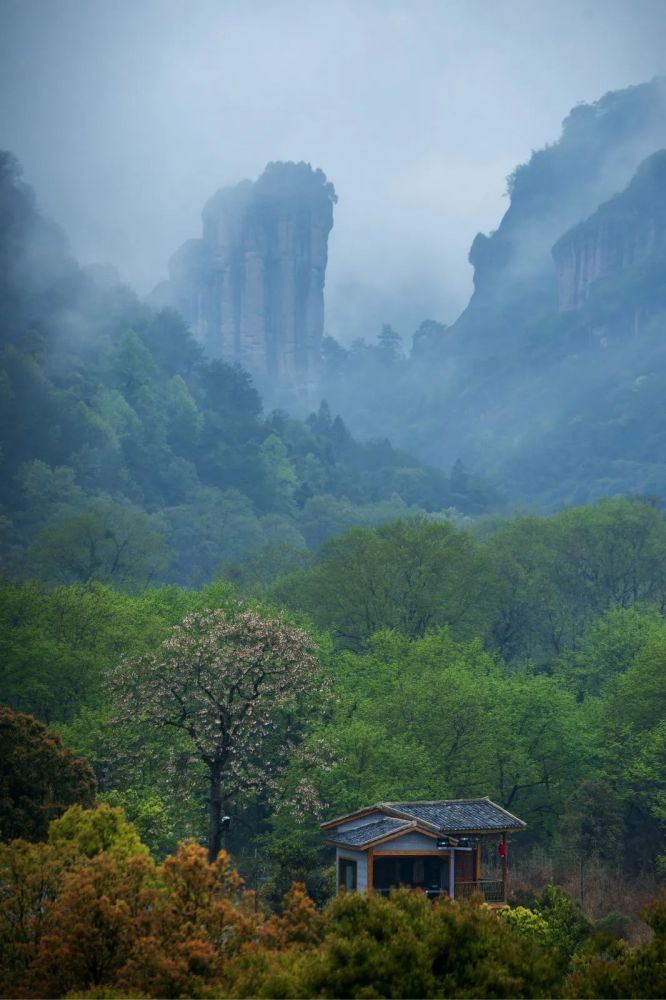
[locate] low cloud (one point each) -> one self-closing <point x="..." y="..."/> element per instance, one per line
<point x="127" y="116"/>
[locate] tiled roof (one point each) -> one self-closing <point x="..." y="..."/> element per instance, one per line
<point x="359" y="836"/>
<point x="444" y="816"/>
<point x="459" y="815"/>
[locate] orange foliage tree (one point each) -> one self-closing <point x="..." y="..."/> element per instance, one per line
<point x="404" y="946"/>
<point x="112" y="924"/>
<point x="124" y="923"/>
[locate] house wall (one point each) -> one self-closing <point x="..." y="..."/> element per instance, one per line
<point x="408" y="842"/>
<point x="361" y="859"/>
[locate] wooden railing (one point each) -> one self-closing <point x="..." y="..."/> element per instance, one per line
<point x="492" y="889"/>
<point x="430" y="893"/>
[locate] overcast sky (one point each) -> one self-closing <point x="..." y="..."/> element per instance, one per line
<point x="128" y="114"/>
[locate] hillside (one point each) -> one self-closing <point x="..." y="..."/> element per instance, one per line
<point x="547" y="380"/>
<point x="128" y="456"/>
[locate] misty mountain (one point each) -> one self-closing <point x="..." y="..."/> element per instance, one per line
<point x="549" y="381"/>
<point x="252" y="288"/>
<point x="127" y="455"/>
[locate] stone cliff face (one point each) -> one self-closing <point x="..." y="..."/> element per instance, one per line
<point x="598" y="152"/>
<point x="625" y="231"/>
<point x="558" y="408"/>
<point x="252" y="287"/>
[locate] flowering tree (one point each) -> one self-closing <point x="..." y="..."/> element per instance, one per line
<point x="222" y="678"/>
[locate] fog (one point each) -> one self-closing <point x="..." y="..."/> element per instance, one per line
<point x="127" y="115"/>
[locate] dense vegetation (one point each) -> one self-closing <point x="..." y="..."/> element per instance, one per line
<point x="523" y="661"/>
<point x="206" y="612"/>
<point x="555" y="407"/>
<point x="127" y="457"/>
<point x="99" y="918"/>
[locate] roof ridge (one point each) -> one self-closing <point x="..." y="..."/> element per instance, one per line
<point x="382" y="819"/>
<point x="438" y="802"/>
<point x="408" y="812"/>
<point x="389" y="809"/>
<point x="417" y="821"/>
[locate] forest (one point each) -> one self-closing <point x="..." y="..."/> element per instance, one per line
<point x="133" y="458"/>
<point x="547" y="386"/>
<point x="221" y="626"/>
<point x="541" y="642"/>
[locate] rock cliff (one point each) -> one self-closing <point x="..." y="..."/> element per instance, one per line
<point x="598" y="152"/>
<point x="627" y="230"/>
<point x="559" y="406"/>
<point x="252" y="287"/>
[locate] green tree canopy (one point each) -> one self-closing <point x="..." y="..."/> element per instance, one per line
<point x="410" y="575"/>
<point x="39" y="777"/>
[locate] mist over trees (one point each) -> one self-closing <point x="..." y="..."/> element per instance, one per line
<point x="129" y="458"/>
<point x="547" y="382"/>
<point x="219" y="625"/>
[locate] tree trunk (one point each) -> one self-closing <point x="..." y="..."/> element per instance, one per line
<point x="215" y="813"/>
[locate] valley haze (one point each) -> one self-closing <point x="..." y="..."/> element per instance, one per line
<point x="332" y="484"/>
<point x="128" y="116"/>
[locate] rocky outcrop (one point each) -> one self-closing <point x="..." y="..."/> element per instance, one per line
<point x="627" y="230"/>
<point x="598" y="152"/>
<point x="252" y="287"/>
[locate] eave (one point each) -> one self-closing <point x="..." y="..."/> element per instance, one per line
<point x="413" y="826"/>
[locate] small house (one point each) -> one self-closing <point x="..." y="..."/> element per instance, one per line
<point x="432" y="846"/>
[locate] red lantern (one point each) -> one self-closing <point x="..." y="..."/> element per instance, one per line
<point x="502" y="850"/>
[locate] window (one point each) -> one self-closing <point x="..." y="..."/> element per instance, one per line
<point x="347" y="874"/>
<point x="425" y="872"/>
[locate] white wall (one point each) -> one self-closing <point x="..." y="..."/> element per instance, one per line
<point x="408" y="842"/>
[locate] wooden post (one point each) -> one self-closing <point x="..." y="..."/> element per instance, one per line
<point x="477" y="862"/>
<point x="371" y="865"/>
<point x="505" y="866"/>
